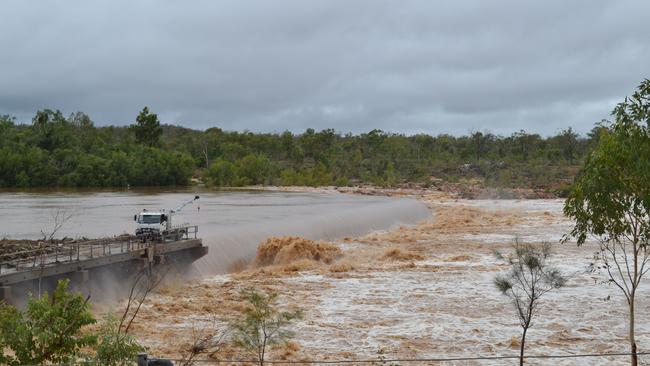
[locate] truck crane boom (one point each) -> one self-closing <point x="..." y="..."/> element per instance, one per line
<point x="181" y="206"/>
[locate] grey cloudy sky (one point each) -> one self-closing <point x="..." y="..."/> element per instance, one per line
<point x="352" y="65"/>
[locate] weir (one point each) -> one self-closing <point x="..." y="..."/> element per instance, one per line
<point x="79" y="261"/>
<point x="238" y="243"/>
<point x="233" y="223"/>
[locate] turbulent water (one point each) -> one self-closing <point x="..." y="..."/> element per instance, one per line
<point x="231" y="223"/>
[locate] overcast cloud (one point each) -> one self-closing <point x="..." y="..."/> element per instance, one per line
<point x="401" y="66"/>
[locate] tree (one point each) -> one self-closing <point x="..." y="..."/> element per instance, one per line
<point x="85" y="129"/>
<point x="80" y="120"/>
<point x="145" y="281"/>
<point x="222" y="173"/>
<point x="596" y="132"/>
<point x="58" y="151"/>
<point x="205" y="145"/>
<point x="524" y="143"/>
<point x="610" y="199"/>
<point x="529" y="278"/>
<point x="288" y="144"/>
<point x="262" y="324"/>
<point x="147" y="128"/>
<point x="254" y="169"/>
<point x="6" y="122"/>
<point x="51" y="130"/>
<point x="480" y="144"/>
<point x="568" y="141"/>
<point x="115" y="348"/>
<point x="59" y="218"/>
<point x="49" y="330"/>
<point x="205" y="340"/>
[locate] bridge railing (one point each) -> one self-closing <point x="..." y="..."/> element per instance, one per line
<point x="180" y="233"/>
<point x="51" y="254"/>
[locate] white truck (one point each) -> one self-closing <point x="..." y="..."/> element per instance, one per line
<point x="154" y="224"/>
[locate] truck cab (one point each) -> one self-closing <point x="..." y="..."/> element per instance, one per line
<point x="150" y="223"/>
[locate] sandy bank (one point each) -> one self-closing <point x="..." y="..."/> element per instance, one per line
<point x="471" y="189"/>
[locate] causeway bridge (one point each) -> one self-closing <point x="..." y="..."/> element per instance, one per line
<point x="87" y="262"/>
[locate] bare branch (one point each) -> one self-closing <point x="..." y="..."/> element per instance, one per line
<point x="59" y="218"/>
<point x="144" y="283"/>
<point x="152" y="280"/>
<point x="203" y="341"/>
<point x="612" y="251"/>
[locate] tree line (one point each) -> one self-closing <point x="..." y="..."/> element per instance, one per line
<point x="59" y="151"/>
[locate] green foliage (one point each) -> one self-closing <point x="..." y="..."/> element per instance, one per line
<point x="6" y="122"/>
<point x="316" y="176"/>
<point x="249" y="170"/>
<point x="72" y="152"/>
<point x="115" y="348"/>
<point x="529" y="278"/>
<point x="610" y="198"/>
<point x="254" y="169"/>
<point x="51" y="130"/>
<point x="147" y="128"/>
<point x="49" y="330"/>
<point x="568" y="141"/>
<point x="262" y="324"/>
<point x="222" y="173"/>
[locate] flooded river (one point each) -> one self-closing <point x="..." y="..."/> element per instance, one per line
<point x="231" y="223"/>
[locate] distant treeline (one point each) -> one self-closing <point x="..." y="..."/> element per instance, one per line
<point x="59" y="151"/>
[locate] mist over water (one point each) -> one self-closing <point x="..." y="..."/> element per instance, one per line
<point x="312" y="217"/>
<point x="231" y="223"/>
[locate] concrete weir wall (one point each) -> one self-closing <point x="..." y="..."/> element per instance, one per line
<point x="105" y="277"/>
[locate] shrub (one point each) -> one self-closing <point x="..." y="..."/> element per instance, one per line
<point x="49" y="330"/>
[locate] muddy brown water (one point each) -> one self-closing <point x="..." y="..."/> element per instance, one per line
<point x="231" y="223"/>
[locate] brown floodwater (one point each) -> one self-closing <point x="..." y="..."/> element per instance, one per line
<point x="231" y="223"/>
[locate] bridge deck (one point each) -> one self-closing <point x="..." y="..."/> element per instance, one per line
<point x="81" y="255"/>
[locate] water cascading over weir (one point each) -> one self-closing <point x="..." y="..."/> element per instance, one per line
<point x="230" y="227"/>
<point x="238" y="243"/>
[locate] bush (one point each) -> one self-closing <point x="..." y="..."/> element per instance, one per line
<point x="222" y="173"/>
<point x="115" y="348"/>
<point x="254" y="169"/>
<point x="49" y="330"/>
<point x="262" y="324"/>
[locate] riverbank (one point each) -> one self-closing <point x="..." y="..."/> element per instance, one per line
<point x="471" y="189"/>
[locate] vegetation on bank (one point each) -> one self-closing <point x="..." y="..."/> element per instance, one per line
<point x="610" y="203"/>
<point x="53" y="330"/>
<point x="59" y="151"/>
<point x="58" y="329"/>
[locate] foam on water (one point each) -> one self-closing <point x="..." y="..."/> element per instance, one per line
<point x="232" y="244"/>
